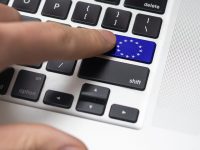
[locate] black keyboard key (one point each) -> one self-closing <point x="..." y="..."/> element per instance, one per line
<point x="58" y="99"/>
<point x="57" y="8"/>
<point x="124" y="113"/>
<point x="133" y="49"/>
<point x="61" y="67"/>
<point x="90" y="107"/>
<point x="86" y="13"/>
<point x="113" y="72"/>
<point x="30" y="6"/>
<point x="116" y="19"/>
<point x="115" y="2"/>
<point x="28" y="85"/>
<point x="5" y="79"/>
<point x="36" y="66"/>
<point x="148" y="26"/>
<point x="4" y="1"/>
<point x="27" y="18"/>
<point x="156" y="6"/>
<point x="93" y="93"/>
<point x="93" y="99"/>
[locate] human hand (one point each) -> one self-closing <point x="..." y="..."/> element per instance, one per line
<point x="30" y="43"/>
<point x="36" y="137"/>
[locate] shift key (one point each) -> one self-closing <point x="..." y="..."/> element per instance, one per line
<point x="113" y="72"/>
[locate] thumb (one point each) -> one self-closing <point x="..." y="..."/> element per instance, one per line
<point x="36" y="137"/>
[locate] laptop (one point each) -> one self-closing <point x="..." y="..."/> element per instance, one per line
<point x="143" y="94"/>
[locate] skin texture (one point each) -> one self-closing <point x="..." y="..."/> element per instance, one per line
<point x="29" y="43"/>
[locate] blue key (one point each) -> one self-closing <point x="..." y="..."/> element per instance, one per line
<point x="133" y="49"/>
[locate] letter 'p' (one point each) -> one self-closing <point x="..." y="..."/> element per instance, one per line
<point x="57" y="5"/>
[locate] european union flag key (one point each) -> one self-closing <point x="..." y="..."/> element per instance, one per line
<point x="133" y="49"/>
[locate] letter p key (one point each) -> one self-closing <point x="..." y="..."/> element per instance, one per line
<point x="57" y="5"/>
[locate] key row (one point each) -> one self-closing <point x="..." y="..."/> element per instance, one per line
<point x="126" y="48"/>
<point x="114" y="19"/>
<point x="96" y="69"/>
<point x="92" y="99"/>
<point x="155" y="6"/>
<point x="103" y="70"/>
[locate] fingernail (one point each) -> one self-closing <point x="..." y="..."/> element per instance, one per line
<point x="108" y="36"/>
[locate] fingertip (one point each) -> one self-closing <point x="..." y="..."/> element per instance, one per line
<point x="109" y="37"/>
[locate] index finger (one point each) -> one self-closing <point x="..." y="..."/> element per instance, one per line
<point x="27" y="43"/>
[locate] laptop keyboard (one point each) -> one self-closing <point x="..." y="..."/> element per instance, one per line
<point x="125" y="68"/>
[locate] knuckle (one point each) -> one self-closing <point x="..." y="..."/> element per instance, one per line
<point x="61" y="33"/>
<point x="97" y="38"/>
<point x="52" y="24"/>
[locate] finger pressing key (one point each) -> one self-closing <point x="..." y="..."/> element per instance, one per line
<point x="29" y="43"/>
